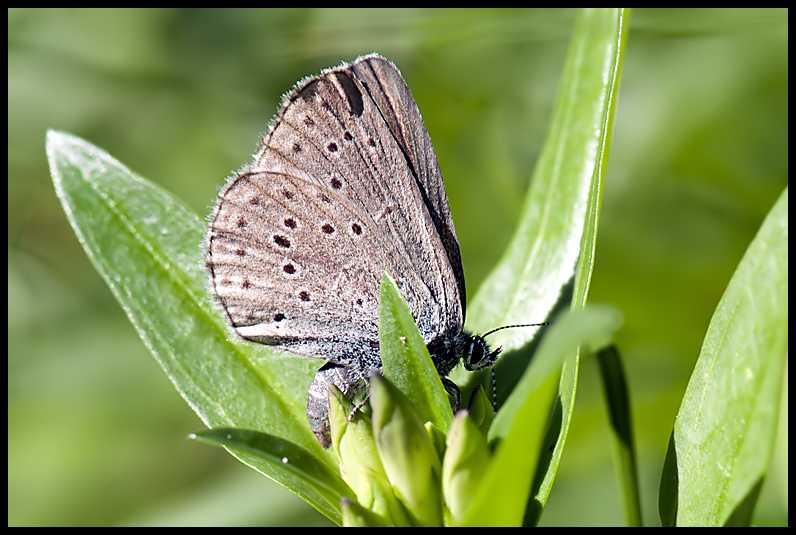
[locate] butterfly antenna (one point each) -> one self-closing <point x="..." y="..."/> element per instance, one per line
<point x="494" y="390"/>
<point x="518" y="325"/>
<point x="495" y="354"/>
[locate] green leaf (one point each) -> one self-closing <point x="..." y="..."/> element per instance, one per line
<point x="518" y="429"/>
<point x="405" y="358"/>
<point x="618" y="400"/>
<point x="278" y="451"/>
<point x="590" y="329"/>
<point x="667" y="491"/>
<point x="725" y="429"/>
<point x="559" y="222"/>
<point x="553" y="247"/>
<point x="146" y="246"/>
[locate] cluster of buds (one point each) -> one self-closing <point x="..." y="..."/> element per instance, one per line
<point x="405" y="473"/>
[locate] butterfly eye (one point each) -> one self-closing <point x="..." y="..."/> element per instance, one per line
<point x="475" y="358"/>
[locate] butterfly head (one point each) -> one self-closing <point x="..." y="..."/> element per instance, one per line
<point x="478" y="355"/>
<point x="474" y="353"/>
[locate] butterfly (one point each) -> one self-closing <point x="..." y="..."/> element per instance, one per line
<point x="345" y="186"/>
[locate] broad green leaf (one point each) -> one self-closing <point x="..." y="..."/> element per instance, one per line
<point x="146" y="246"/>
<point x="725" y="429"/>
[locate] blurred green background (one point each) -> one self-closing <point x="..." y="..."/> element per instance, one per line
<point x="97" y="434"/>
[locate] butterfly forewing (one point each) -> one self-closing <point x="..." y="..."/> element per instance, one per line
<point x="389" y="91"/>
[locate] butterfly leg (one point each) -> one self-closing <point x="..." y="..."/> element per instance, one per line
<point x="453" y="391"/>
<point x="351" y="382"/>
